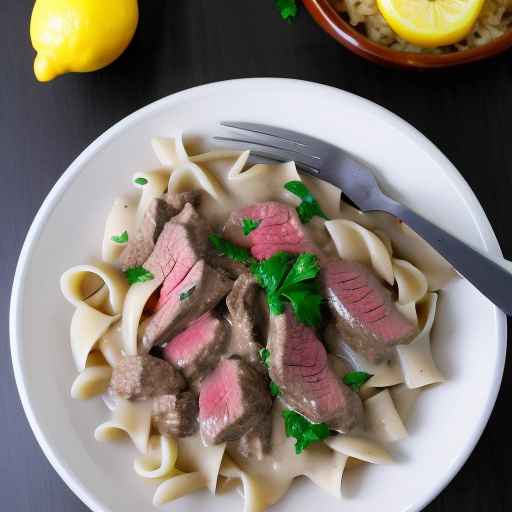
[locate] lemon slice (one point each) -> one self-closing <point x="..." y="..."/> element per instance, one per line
<point x="431" y="23"/>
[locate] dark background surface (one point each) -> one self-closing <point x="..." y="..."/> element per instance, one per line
<point x="183" y="43"/>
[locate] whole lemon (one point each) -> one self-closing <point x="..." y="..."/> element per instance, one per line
<point x="80" y="35"/>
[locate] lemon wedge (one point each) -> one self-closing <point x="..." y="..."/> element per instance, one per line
<point x="431" y="23"/>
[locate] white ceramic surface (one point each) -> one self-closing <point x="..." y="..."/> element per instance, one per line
<point x="469" y="335"/>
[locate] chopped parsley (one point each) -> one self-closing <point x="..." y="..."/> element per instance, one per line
<point x="265" y="358"/>
<point x="355" y="380"/>
<point x="140" y="181"/>
<point x="249" y="225"/>
<point x="274" y="389"/>
<point x="287" y="9"/>
<point x="288" y="280"/>
<point x="231" y="250"/>
<point x="187" y="294"/>
<point x="303" y="430"/>
<point x="120" y="239"/>
<point x="309" y="206"/>
<point x="138" y="275"/>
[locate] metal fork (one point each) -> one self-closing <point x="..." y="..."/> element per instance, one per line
<point x="332" y="164"/>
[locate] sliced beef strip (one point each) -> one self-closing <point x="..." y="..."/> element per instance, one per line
<point x="138" y="249"/>
<point x="243" y="305"/>
<point x="197" y="349"/>
<point x="142" y="377"/>
<point x="176" y="414"/>
<point x="181" y="245"/>
<point x="257" y="442"/>
<point x="232" y="400"/>
<point x="300" y="367"/>
<point x="365" y="313"/>
<point x="179" y="200"/>
<point x="199" y="292"/>
<point x="279" y="230"/>
<point x="231" y="268"/>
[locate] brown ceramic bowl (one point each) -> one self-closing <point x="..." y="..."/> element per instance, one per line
<point x="331" y="21"/>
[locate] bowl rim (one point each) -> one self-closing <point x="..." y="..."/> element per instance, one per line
<point x="482" y="223"/>
<point x="326" y="16"/>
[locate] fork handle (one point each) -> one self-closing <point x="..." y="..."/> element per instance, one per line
<point x="492" y="279"/>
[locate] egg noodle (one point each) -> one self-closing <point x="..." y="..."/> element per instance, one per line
<point x="105" y="323"/>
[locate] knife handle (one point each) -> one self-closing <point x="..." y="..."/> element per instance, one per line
<point x="492" y="279"/>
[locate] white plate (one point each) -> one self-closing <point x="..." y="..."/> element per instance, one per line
<point x="469" y="336"/>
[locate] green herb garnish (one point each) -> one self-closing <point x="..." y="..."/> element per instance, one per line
<point x="274" y="389"/>
<point x="265" y="356"/>
<point x="356" y="379"/>
<point x="140" y="181"/>
<point x="293" y="283"/>
<point x="303" y="430"/>
<point x="138" y="275"/>
<point x="249" y="225"/>
<point x="309" y="206"/>
<point x="287" y="9"/>
<point x="120" y="239"/>
<point x="187" y="294"/>
<point x="231" y="250"/>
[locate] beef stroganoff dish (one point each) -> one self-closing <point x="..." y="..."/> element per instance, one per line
<point x="244" y="327"/>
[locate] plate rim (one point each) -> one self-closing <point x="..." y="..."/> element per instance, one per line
<point x="480" y="220"/>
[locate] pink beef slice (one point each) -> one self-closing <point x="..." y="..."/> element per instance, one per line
<point x="175" y="414"/>
<point x="198" y="348"/>
<point x="181" y="245"/>
<point x="300" y="367"/>
<point x="232" y="400"/>
<point x="199" y="292"/>
<point x="139" y="248"/>
<point x="366" y="316"/>
<point x="142" y="377"/>
<point x="279" y="230"/>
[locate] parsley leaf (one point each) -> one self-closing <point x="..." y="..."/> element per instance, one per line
<point x="287" y="282"/>
<point x="265" y="356"/>
<point x="287" y="8"/>
<point x="271" y="272"/>
<point x="138" y="275"/>
<point x="355" y="380"/>
<point x="249" y="225"/>
<point x="309" y="207"/>
<point x="187" y="294"/>
<point x="120" y="239"/>
<point x="303" y="430"/>
<point x="274" y="389"/>
<point x="140" y="181"/>
<point x="231" y="250"/>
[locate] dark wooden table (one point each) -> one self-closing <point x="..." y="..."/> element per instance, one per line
<point x="182" y="43"/>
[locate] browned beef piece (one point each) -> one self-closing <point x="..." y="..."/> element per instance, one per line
<point x="232" y="268"/>
<point x="142" y="377"/>
<point x="365" y="313"/>
<point x="243" y="306"/>
<point x="256" y="443"/>
<point x="176" y="414"/>
<point x="139" y="248"/>
<point x="300" y="367"/>
<point x="178" y="201"/>
<point x="232" y="400"/>
<point x="199" y="292"/>
<point x="197" y="349"/>
<point x="180" y="246"/>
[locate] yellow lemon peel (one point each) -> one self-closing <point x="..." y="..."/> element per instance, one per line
<point x="80" y="35"/>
